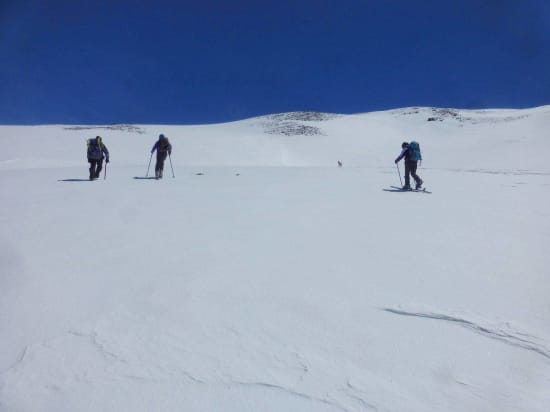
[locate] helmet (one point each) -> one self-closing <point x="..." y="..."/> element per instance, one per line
<point x="404" y="144"/>
<point x="161" y="136"/>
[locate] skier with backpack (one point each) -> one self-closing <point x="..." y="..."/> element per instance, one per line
<point x="97" y="151"/>
<point x="163" y="148"/>
<point x="411" y="153"/>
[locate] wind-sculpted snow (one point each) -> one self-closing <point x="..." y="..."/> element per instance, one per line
<point x="125" y="352"/>
<point x="503" y="332"/>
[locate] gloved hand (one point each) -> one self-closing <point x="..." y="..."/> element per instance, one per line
<point x="107" y="160"/>
<point x="396" y="161"/>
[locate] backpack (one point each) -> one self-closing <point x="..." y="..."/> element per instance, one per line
<point x="94" y="150"/>
<point x="414" y="151"/>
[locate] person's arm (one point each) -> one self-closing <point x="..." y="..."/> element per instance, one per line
<point x="155" y="146"/>
<point x="402" y="155"/>
<point x="170" y="149"/>
<point x="106" y="151"/>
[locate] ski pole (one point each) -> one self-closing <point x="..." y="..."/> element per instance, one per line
<point x="147" y="174"/>
<point x="170" y="157"/>
<point x="105" y="175"/>
<point x="399" y="173"/>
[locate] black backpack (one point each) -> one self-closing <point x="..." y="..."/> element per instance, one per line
<point x="94" y="149"/>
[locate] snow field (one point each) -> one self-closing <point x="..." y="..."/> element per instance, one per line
<point x="274" y="280"/>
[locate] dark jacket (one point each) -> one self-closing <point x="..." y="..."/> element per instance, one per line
<point x="404" y="154"/>
<point x="162" y="146"/>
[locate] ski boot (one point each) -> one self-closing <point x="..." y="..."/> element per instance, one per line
<point x="406" y="187"/>
<point x="419" y="184"/>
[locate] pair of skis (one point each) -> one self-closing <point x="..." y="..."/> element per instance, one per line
<point x="400" y="189"/>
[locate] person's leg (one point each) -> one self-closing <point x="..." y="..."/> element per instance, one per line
<point x="414" y="175"/>
<point x="92" y="169"/>
<point x="407" y="174"/>
<point x="157" y="164"/>
<point x="161" y="165"/>
<point x="99" y="167"/>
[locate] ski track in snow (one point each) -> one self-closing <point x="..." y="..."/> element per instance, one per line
<point x="519" y="172"/>
<point x="504" y="334"/>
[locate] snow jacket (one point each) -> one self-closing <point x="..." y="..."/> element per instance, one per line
<point x="404" y="154"/>
<point x="162" y="146"/>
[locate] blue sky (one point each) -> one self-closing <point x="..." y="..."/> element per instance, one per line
<point x="187" y="61"/>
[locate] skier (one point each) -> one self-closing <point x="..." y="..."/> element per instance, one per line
<point x="163" y="148"/>
<point x="97" y="151"/>
<point x="411" y="153"/>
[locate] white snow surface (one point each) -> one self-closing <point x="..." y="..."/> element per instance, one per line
<point x="265" y="278"/>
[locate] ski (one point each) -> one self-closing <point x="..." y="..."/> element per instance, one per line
<point x="400" y="189"/>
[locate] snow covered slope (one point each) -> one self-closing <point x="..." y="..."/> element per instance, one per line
<point x="265" y="278"/>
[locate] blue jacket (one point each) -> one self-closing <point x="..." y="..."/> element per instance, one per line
<point x="166" y="147"/>
<point x="404" y="154"/>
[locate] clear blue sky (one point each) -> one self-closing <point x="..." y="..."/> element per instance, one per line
<point x="187" y="61"/>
